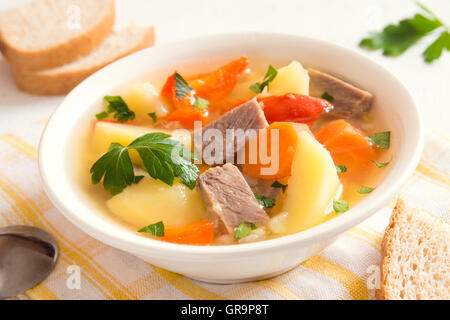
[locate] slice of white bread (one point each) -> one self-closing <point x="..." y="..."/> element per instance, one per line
<point x="416" y="258"/>
<point x="48" y="33"/>
<point x="61" y="80"/>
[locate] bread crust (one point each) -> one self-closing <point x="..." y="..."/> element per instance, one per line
<point x="42" y="83"/>
<point x="382" y="293"/>
<point x="414" y="256"/>
<point x="62" y="53"/>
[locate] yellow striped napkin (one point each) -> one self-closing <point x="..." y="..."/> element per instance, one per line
<point x="342" y="271"/>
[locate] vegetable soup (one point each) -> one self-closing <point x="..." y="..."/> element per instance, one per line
<point x="251" y="150"/>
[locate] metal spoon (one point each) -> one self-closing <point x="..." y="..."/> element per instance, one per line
<point x="27" y="257"/>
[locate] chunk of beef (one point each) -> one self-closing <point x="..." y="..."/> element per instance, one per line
<point x="248" y="117"/>
<point x="347" y="99"/>
<point x="262" y="187"/>
<point x="229" y="199"/>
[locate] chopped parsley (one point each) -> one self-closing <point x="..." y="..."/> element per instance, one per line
<point x="155" y="229"/>
<point x="200" y="103"/>
<point x="340" y="206"/>
<point x="341" y="168"/>
<point x="269" y="77"/>
<point x="327" y="96"/>
<point x="382" y="164"/>
<point x="242" y="230"/>
<point x="182" y="88"/>
<point x="101" y="115"/>
<point x="153" y="116"/>
<point x="381" y="139"/>
<point x="264" y="201"/>
<point x="120" y="109"/>
<point x="162" y="158"/>
<point x="364" y="190"/>
<point x="277" y="184"/>
<point x="394" y="39"/>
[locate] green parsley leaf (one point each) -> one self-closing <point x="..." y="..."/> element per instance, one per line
<point x="242" y="230"/>
<point x="341" y="168"/>
<point x="200" y="103"/>
<point x="114" y="189"/>
<point x="381" y="139"/>
<point x="327" y="96"/>
<point x="340" y="206"/>
<point x="277" y="184"/>
<point x="426" y="9"/>
<point x="382" y="164"/>
<point x="155" y="229"/>
<point x="115" y="167"/>
<point x="268" y="77"/>
<point x="394" y="40"/>
<point x="137" y="179"/>
<point x="101" y="115"/>
<point x="264" y="201"/>
<point x="435" y="49"/>
<point x="153" y="116"/>
<point x="182" y="88"/>
<point x="110" y="108"/>
<point x="256" y="88"/>
<point x="364" y="190"/>
<point x="118" y="189"/>
<point x="253" y="226"/>
<point x="121" y="111"/>
<point x="162" y="158"/>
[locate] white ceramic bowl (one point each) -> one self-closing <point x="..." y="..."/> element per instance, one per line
<point x="226" y="264"/>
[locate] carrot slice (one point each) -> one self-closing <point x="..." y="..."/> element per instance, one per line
<point x="285" y="146"/>
<point x="169" y="92"/>
<point x="196" y="233"/>
<point x="348" y="146"/>
<point x="186" y="117"/>
<point x="216" y="85"/>
<point x="213" y="86"/>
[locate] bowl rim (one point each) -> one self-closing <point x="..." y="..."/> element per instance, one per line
<point x="149" y="247"/>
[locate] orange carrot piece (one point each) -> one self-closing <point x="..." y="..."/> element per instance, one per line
<point x="169" y="92"/>
<point x="216" y="85"/>
<point x="286" y="146"/>
<point x="196" y="233"/>
<point x="348" y="146"/>
<point x="186" y="117"/>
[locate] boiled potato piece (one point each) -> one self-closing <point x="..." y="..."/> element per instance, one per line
<point x="292" y="78"/>
<point x="313" y="185"/>
<point x="106" y="132"/>
<point x="277" y="224"/>
<point x="143" y="98"/>
<point x="242" y="89"/>
<point x="151" y="201"/>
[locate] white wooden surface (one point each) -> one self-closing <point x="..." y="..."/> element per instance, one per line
<point x="343" y="22"/>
